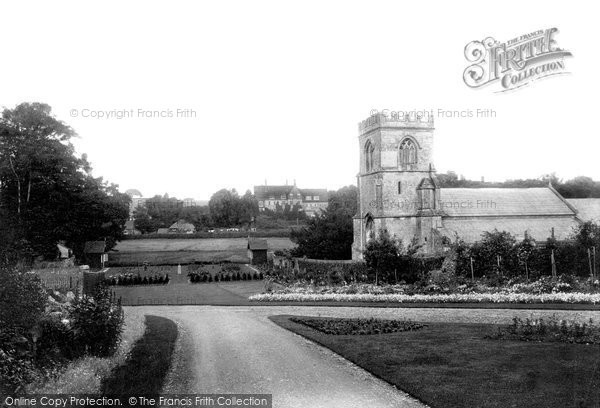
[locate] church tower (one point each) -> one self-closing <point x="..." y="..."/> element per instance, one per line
<point x="397" y="187"/>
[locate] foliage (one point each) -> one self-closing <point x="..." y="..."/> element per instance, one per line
<point x="97" y="322"/>
<point x="389" y="261"/>
<point x="578" y="187"/>
<point x="341" y="326"/>
<point x="228" y="209"/>
<point x="47" y="193"/>
<point x="22" y="299"/>
<point x="383" y="254"/>
<point x="329" y="234"/>
<point x="553" y="330"/>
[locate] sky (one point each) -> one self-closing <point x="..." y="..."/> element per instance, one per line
<point x="274" y="90"/>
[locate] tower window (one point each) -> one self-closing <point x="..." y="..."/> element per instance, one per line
<point x="369" y="150"/>
<point x="399" y="187"/>
<point x="408" y="152"/>
<point x="370" y="228"/>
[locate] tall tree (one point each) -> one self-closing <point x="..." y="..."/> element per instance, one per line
<point x="47" y="193"/>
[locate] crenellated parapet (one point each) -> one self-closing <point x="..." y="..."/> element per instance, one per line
<point x="396" y="120"/>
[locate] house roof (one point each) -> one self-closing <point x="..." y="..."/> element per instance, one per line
<point x="257" y="244"/>
<point x="485" y="202"/>
<point x="538" y="228"/>
<point x="183" y="225"/>
<point x="320" y="192"/>
<point x="94" y="247"/>
<point x="265" y="192"/>
<point x="588" y="209"/>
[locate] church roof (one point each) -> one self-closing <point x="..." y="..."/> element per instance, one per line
<point x="588" y="209"/>
<point x="538" y="228"/>
<point x="497" y="202"/>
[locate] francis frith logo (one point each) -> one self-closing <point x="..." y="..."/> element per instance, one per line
<point x="515" y="63"/>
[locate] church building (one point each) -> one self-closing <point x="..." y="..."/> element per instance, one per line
<point x="398" y="191"/>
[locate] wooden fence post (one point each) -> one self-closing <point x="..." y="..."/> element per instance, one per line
<point x="594" y="259"/>
<point x="553" y="265"/>
<point x="590" y="263"/>
<point x="472" y="271"/>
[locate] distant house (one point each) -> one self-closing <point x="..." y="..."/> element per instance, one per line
<point x="95" y="254"/>
<point x="130" y="228"/>
<point x="257" y="250"/>
<point x="311" y="200"/>
<point x="182" y="227"/>
<point x="162" y="231"/>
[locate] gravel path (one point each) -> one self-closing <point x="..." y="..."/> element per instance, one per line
<point x="239" y="350"/>
<point x="236" y="350"/>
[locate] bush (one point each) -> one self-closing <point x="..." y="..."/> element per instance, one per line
<point x="97" y="322"/>
<point x="22" y="299"/>
<point x="552" y="330"/>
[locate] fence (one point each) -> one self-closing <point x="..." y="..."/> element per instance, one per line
<point x="64" y="279"/>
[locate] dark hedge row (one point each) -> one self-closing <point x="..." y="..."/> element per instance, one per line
<point x="205" y="277"/>
<point x="130" y="279"/>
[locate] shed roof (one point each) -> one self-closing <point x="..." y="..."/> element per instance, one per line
<point x="94" y="247"/>
<point x="257" y="244"/>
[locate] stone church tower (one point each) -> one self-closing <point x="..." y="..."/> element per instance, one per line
<point x="397" y="188"/>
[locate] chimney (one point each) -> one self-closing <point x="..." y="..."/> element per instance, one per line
<point x="482" y="179"/>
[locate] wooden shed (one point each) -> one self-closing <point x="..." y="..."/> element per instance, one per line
<point x="257" y="250"/>
<point x="95" y="254"/>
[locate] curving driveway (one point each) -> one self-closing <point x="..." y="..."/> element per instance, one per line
<point x="239" y="350"/>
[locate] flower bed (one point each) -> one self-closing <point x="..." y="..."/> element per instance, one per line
<point x="206" y="277"/>
<point x="129" y="279"/>
<point x="550" y="330"/>
<point x="583" y="298"/>
<point x="340" y="326"/>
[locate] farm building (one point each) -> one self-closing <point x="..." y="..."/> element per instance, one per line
<point x="257" y="250"/>
<point x="182" y="227"/>
<point x="95" y="254"/>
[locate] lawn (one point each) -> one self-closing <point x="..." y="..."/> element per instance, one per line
<point x="455" y="366"/>
<point x="185" y="251"/>
<point x="180" y="292"/>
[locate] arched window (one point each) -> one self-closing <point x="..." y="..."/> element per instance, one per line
<point x="369" y="150"/>
<point x="369" y="228"/>
<point x="408" y="152"/>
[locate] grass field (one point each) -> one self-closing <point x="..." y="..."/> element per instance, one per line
<point x="453" y="365"/>
<point x="184" y="251"/>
